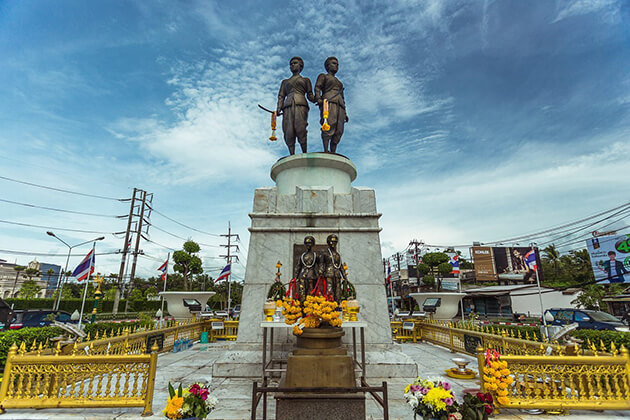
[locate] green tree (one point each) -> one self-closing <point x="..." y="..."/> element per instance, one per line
<point x="187" y="262"/>
<point x="150" y="291"/>
<point x="436" y="261"/>
<point x="552" y="255"/>
<point x="29" y="290"/>
<point x="592" y="296"/>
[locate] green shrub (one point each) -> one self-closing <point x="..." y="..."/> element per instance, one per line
<point x="69" y="305"/>
<point x="26" y="335"/>
<point x="110" y="327"/>
<point x="618" y="337"/>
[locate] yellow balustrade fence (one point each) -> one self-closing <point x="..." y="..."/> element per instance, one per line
<point x="108" y="370"/>
<point x="465" y="337"/>
<point x="560" y="383"/>
<point x="77" y="380"/>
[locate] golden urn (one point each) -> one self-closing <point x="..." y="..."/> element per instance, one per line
<point x="352" y="306"/>
<point x="269" y="308"/>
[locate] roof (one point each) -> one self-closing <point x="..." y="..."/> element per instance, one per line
<point x="512" y="289"/>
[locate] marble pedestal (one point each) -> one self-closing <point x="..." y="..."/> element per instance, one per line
<point x="313" y="196"/>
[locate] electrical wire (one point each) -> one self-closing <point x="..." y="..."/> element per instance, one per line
<point x="55" y="228"/>
<point x="61" y="189"/>
<point x="58" y="210"/>
<point x="46" y="254"/>
<point x="186" y="226"/>
<point x="181" y="237"/>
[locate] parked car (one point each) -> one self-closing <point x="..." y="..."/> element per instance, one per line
<point x="37" y="318"/>
<point x="235" y="311"/>
<point x="586" y="319"/>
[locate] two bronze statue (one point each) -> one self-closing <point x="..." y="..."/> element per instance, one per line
<point x="293" y="97"/>
<point x="311" y="268"/>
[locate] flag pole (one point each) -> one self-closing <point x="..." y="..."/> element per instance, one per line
<point x="87" y="281"/>
<point x="168" y="257"/>
<point x="542" y="308"/>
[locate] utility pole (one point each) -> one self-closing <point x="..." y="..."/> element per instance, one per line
<point x="228" y="257"/>
<point x="125" y="250"/>
<point x="144" y="206"/>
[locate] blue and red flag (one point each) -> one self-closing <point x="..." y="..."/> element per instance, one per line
<point x="455" y="263"/>
<point x="86" y="267"/>
<point x="530" y="260"/>
<point x="389" y="273"/>
<point x="224" y="273"/>
<point x="163" y="269"/>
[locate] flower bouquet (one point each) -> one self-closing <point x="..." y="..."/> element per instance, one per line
<point x="431" y="398"/>
<point x="192" y="402"/>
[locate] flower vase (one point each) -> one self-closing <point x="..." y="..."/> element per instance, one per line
<point x="269" y="308"/>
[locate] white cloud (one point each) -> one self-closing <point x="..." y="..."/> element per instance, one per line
<point x="570" y="8"/>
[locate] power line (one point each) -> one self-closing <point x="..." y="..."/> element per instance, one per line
<point x="60" y="189"/>
<point x="58" y="210"/>
<point x="181" y="237"/>
<point x="45" y="254"/>
<point x="186" y="226"/>
<point x="54" y="228"/>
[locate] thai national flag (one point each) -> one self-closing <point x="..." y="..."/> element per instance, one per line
<point x="85" y="268"/>
<point x="389" y="273"/>
<point x="455" y="263"/>
<point x="163" y="269"/>
<point x="530" y="260"/>
<point x="224" y="273"/>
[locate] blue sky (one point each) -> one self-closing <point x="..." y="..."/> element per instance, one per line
<point x="473" y="120"/>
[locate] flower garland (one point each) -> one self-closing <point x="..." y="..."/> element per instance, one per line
<point x="496" y="376"/>
<point x="292" y="311"/>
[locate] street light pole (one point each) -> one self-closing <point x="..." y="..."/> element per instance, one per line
<point x="60" y="283"/>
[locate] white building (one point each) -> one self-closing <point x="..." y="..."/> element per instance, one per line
<point x="11" y="281"/>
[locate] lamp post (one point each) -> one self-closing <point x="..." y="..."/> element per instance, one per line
<point x="60" y="283"/>
<point x="97" y="295"/>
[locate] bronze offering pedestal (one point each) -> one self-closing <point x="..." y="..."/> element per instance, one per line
<point x="320" y="361"/>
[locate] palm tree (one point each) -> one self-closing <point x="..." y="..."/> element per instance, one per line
<point x="553" y="256"/>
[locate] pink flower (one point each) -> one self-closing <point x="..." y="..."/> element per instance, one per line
<point x="424" y="390"/>
<point x="414" y="388"/>
<point x="446" y="386"/>
<point x="448" y="401"/>
<point x="194" y="389"/>
<point x="203" y="393"/>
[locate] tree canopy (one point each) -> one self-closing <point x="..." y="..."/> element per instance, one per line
<point x="187" y="262"/>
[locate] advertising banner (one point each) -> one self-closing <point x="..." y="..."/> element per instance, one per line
<point x="484" y="263"/>
<point x="505" y="264"/>
<point x="610" y="258"/>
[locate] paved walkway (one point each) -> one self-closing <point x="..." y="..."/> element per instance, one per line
<point x="235" y="394"/>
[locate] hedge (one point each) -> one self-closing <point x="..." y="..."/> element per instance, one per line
<point x="108" y="327"/>
<point x="69" y="305"/>
<point x="605" y="336"/>
<point x="27" y="335"/>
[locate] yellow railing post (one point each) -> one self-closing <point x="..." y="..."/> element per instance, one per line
<point x="7" y="374"/>
<point x="450" y="337"/>
<point x="148" y="402"/>
<point x="481" y="361"/>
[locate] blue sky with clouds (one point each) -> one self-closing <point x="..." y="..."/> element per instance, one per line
<point x="473" y="120"/>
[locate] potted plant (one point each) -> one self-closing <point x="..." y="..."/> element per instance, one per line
<point x="431" y="399"/>
<point x="477" y="406"/>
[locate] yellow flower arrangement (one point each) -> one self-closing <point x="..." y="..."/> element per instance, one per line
<point x="316" y="310"/>
<point x="172" y="407"/>
<point x="496" y="377"/>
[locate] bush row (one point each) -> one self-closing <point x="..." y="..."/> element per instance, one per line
<point x="69" y="305"/>
<point x="26" y="335"/>
<point x="618" y="337"/>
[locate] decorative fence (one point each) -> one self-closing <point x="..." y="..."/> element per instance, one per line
<point x="108" y="370"/>
<point x="562" y="382"/>
<point x="63" y="381"/>
<point x="465" y="338"/>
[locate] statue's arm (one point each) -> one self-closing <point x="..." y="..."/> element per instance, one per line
<point x="298" y="268"/>
<point x="309" y="91"/>
<point x="319" y="87"/>
<point x="281" y="96"/>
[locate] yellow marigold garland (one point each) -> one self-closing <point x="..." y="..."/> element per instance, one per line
<point x="496" y="377"/>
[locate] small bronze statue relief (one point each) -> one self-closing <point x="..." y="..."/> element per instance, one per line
<point x="306" y="272"/>
<point x="332" y="105"/>
<point x="331" y="268"/>
<point x="293" y="105"/>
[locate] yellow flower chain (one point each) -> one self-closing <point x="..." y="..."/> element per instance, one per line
<point x="497" y="380"/>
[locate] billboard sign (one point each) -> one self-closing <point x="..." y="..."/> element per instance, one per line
<point x="610" y="258"/>
<point x="505" y="263"/>
<point x="484" y="263"/>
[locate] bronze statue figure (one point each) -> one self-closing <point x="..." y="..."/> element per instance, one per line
<point x="329" y="88"/>
<point x="306" y="272"/>
<point x="331" y="268"/>
<point x="292" y="103"/>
